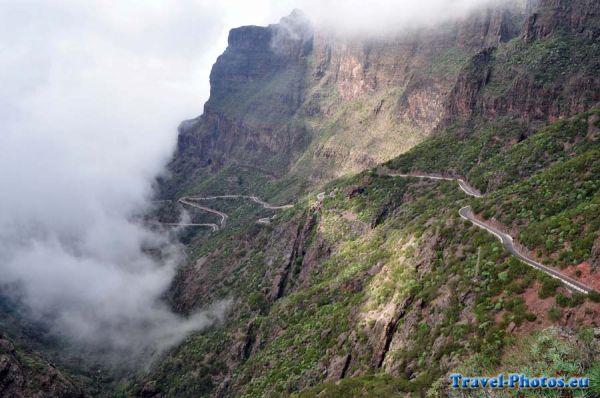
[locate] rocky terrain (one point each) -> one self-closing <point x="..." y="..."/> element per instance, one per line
<point x="352" y="284"/>
<point x="24" y="375"/>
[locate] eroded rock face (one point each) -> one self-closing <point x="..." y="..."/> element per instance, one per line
<point x="277" y="89"/>
<point x="255" y="52"/>
<point x="534" y="92"/>
<point x="26" y="375"/>
<point x="292" y="98"/>
<point x="257" y="85"/>
<point x="572" y="16"/>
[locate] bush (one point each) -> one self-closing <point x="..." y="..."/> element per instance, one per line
<point x="503" y="276"/>
<point x="257" y="302"/>
<point x="595" y="378"/>
<point x="563" y="300"/>
<point x="549" y="286"/>
<point x="530" y="316"/>
<point x="576" y="299"/>
<point x="594" y="296"/>
<point x="555" y="313"/>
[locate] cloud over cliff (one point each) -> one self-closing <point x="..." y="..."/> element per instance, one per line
<point x="387" y="16"/>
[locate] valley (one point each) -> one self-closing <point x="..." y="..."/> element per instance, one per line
<point x="379" y="211"/>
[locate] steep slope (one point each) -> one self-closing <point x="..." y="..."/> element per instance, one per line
<point x="356" y="285"/>
<point x="289" y="100"/>
<point x="24" y="375"/>
<point x="549" y="72"/>
<point x="377" y="281"/>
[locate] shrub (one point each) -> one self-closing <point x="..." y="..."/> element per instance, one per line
<point x="577" y="299"/>
<point x="530" y="316"/>
<point x="562" y="300"/>
<point x="503" y="276"/>
<point x="595" y="378"/>
<point x="549" y="286"/>
<point x="555" y="313"/>
<point x="257" y="302"/>
<point x="594" y="296"/>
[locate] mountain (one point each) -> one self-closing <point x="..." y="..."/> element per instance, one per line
<point x="357" y="187"/>
<point x="377" y="286"/>
<point x="289" y="100"/>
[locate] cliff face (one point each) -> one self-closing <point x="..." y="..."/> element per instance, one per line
<point x="550" y="16"/>
<point x="286" y="98"/>
<point x="256" y="87"/>
<point x="26" y="375"/>
<point x="549" y="73"/>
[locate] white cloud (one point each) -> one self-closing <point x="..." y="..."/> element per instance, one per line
<point x="92" y="94"/>
<point x="384" y="16"/>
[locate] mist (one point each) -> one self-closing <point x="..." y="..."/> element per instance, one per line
<point x="91" y="96"/>
<point x="381" y="17"/>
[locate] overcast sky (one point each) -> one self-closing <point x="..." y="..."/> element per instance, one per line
<point x="91" y="95"/>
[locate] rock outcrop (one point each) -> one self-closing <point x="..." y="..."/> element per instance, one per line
<point x="25" y="375"/>
<point x="568" y="16"/>
<point x="257" y="85"/>
<point x="550" y="74"/>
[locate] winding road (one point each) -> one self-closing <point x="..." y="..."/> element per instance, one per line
<point x="462" y="184"/>
<point x="465" y="212"/>
<point x="506" y="240"/>
<point x="190" y="201"/>
<point x="253" y="198"/>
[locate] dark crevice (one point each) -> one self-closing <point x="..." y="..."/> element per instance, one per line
<point x="390" y="329"/>
<point x="346" y="366"/>
<point x="296" y="255"/>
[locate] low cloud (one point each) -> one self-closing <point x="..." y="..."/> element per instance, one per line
<point x="388" y="16"/>
<point x="92" y="94"/>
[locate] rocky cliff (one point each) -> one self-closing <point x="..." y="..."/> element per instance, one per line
<point x="257" y="85"/>
<point x="24" y="375"/>
<point x="550" y="72"/>
<point x="566" y="16"/>
<point x="289" y="99"/>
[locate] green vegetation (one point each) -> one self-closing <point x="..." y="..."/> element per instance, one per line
<point x="319" y="288"/>
<point x="377" y="241"/>
<point x="595" y="378"/>
<point x="545" y="61"/>
<point x="366" y="386"/>
<point x="547" y="185"/>
<point x="448" y="63"/>
<point x="557" y="209"/>
<point x="552" y="352"/>
<point x="368" y="225"/>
